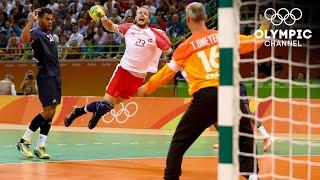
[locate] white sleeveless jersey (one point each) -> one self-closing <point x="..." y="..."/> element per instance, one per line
<point x="143" y="48"/>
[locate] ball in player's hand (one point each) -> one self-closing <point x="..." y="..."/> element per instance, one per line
<point x="96" y="12"/>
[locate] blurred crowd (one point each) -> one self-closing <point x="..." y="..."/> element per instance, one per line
<point x="79" y="37"/>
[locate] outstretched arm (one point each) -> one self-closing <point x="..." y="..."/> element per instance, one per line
<point x="161" y="78"/>
<point x="247" y="42"/>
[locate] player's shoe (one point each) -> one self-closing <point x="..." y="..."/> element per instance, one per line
<point x="215" y="146"/>
<point x="76" y="112"/>
<point x="94" y="120"/>
<point x="267" y="143"/>
<point x="24" y="149"/>
<point x="41" y="153"/>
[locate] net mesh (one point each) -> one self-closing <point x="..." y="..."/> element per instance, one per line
<point x="283" y="88"/>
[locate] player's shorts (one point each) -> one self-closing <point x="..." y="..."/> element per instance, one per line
<point x="49" y="90"/>
<point x="248" y="164"/>
<point x="123" y="84"/>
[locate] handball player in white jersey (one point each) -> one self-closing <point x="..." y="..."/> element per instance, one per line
<point x="144" y="46"/>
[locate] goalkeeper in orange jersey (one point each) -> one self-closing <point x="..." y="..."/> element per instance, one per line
<point x="198" y="60"/>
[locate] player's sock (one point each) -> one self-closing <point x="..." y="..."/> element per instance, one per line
<point x="42" y="140"/>
<point x="34" y="125"/>
<point x="27" y="136"/>
<point x="263" y="132"/>
<point x="253" y="177"/>
<point x="44" y="131"/>
<point x="100" y="107"/>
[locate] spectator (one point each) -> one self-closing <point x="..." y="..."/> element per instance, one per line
<point x="116" y="18"/>
<point x="112" y="46"/>
<point x="75" y="36"/>
<point x="123" y="6"/>
<point x="16" y="29"/>
<point x="82" y="28"/>
<point x="29" y="86"/>
<point x="176" y="29"/>
<point x="54" y="6"/>
<point x="2" y="20"/>
<point x="25" y="11"/>
<point x="10" y="19"/>
<point x="132" y="11"/>
<point x="57" y="20"/>
<point x="92" y="28"/>
<point x="14" y="48"/>
<point x="6" y="28"/>
<point x="172" y="11"/>
<point x="73" y="12"/>
<point x="87" y="50"/>
<point x="78" y="6"/>
<point x="62" y="10"/>
<point x="161" y="10"/>
<point x="3" y="12"/>
<point x="68" y="19"/>
<point x="16" y="12"/>
<point x="301" y="76"/>
<point x="155" y="3"/>
<point x="73" y="51"/>
<point x="86" y="18"/>
<point x="7" y="86"/>
<point x="101" y="36"/>
<point x="181" y="9"/>
<point x="7" y="6"/>
<point x="150" y="6"/>
<point x="128" y="19"/>
<point x="3" y="40"/>
<point x="109" y="6"/>
<point x="62" y="44"/>
<point x="161" y="22"/>
<point x="97" y="50"/>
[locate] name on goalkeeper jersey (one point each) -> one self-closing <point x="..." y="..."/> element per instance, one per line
<point x="205" y="41"/>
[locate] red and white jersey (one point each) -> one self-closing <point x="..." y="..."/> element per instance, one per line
<point x="143" y="48"/>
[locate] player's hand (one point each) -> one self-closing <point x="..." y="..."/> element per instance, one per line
<point x="35" y="14"/>
<point x="264" y="21"/>
<point x="142" y="90"/>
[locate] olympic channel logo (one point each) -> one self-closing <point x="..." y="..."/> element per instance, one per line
<point x="283" y="15"/>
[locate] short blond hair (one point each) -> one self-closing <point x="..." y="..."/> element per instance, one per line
<point x="147" y="8"/>
<point x="196" y="11"/>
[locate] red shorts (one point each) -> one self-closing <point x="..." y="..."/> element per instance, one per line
<point x="123" y="84"/>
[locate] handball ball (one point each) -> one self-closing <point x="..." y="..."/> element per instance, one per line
<point x="96" y="12"/>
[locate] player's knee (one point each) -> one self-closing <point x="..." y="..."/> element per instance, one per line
<point x="110" y="99"/>
<point x="49" y="112"/>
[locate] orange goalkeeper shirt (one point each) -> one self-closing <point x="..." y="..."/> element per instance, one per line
<point x="198" y="60"/>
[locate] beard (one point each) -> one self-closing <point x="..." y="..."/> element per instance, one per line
<point x="142" y="26"/>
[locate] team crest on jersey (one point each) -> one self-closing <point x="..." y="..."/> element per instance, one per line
<point x="49" y="36"/>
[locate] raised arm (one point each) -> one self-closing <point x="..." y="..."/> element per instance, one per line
<point x="109" y="25"/>
<point x="247" y="42"/>
<point x="26" y="36"/>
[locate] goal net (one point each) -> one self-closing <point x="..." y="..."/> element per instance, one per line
<point x="282" y="85"/>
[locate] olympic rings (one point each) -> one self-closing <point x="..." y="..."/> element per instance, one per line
<point x="283" y="19"/>
<point x="123" y="110"/>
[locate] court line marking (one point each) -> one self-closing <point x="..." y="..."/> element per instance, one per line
<point x="98" y="143"/>
<point x="81" y="160"/>
<point x="110" y="159"/>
